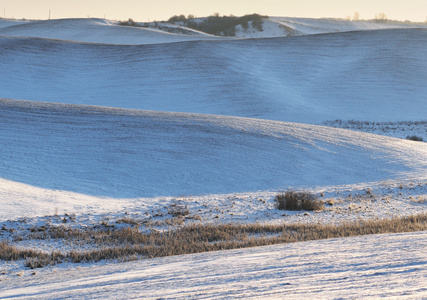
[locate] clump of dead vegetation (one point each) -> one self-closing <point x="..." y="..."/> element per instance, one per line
<point x="399" y="129"/>
<point x="129" y="243"/>
<point x="178" y="210"/>
<point x="414" y="138"/>
<point x="292" y="200"/>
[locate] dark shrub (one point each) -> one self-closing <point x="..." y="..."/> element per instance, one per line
<point x="298" y="201"/>
<point x="221" y="25"/>
<point x="414" y="138"/>
<point x="129" y="22"/>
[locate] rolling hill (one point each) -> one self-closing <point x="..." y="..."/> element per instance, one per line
<point x="365" y="75"/>
<point x="93" y="31"/>
<point x="124" y="153"/>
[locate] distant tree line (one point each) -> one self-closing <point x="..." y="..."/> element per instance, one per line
<point x="129" y="22"/>
<point x="220" y="25"/>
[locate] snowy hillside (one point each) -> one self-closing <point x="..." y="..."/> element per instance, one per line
<point x="303" y="26"/>
<point x="7" y="22"/>
<point x="135" y="153"/>
<point x="94" y="31"/>
<point x="285" y="26"/>
<point x="367" y="76"/>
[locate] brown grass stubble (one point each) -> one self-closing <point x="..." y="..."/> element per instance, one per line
<point x="129" y="244"/>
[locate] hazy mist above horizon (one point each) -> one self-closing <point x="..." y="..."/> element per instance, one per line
<point x="413" y="10"/>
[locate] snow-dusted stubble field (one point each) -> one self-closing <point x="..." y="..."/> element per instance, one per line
<point x="366" y="267"/>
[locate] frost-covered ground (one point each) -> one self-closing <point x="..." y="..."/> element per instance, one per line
<point x="204" y="123"/>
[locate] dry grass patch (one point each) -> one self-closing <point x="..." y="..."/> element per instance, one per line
<point x="129" y="243"/>
<point x="178" y="210"/>
<point x="129" y="221"/>
<point x="419" y="199"/>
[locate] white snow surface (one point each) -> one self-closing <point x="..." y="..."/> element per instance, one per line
<point x="391" y="266"/>
<point x="144" y="119"/>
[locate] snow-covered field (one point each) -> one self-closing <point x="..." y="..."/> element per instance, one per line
<point x="367" y="267"/>
<point x="115" y="121"/>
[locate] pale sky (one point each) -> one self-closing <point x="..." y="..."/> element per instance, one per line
<point x="150" y="10"/>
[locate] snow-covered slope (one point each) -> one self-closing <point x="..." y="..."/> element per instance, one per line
<point x="369" y="267"/>
<point x="303" y="26"/>
<point x="130" y="153"/>
<point x="94" y="31"/>
<point x="8" y="22"/>
<point x="370" y="75"/>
